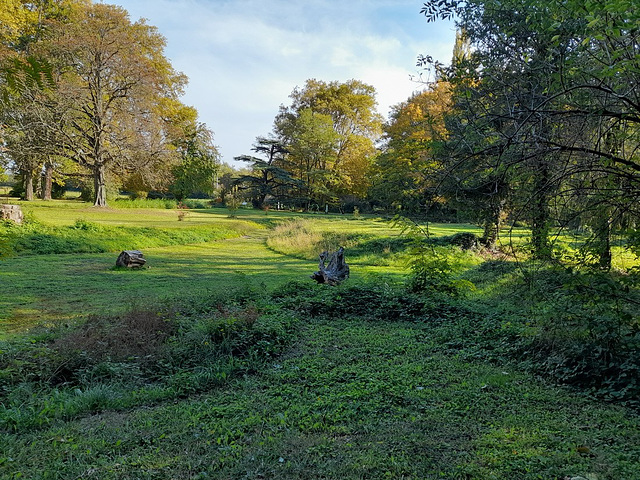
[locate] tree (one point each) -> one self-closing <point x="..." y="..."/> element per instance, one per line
<point x="111" y="91"/>
<point x="311" y="142"/>
<point x="545" y="99"/>
<point x="198" y="166"/>
<point x="25" y="81"/>
<point x="402" y="175"/>
<point x="350" y="108"/>
<point x="269" y="177"/>
<point x="27" y="138"/>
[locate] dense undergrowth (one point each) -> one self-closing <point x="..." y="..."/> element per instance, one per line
<point x="36" y="238"/>
<point x="581" y="328"/>
<point x="578" y="326"/>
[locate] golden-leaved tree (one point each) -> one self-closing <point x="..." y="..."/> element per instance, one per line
<point x="403" y="173"/>
<point x="112" y="89"/>
<point x="336" y="160"/>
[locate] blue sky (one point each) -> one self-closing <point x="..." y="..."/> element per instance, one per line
<point x="244" y="57"/>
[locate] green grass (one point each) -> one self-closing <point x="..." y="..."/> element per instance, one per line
<point x="352" y="399"/>
<point x="263" y="378"/>
<point x="49" y="289"/>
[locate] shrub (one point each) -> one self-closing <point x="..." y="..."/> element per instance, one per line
<point x="376" y="301"/>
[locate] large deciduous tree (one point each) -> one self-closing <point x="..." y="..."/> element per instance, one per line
<point x="198" y="166"/>
<point x="546" y="105"/>
<point x="402" y="175"/>
<point x="27" y="84"/>
<point x="338" y="163"/>
<point x="113" y="81"/>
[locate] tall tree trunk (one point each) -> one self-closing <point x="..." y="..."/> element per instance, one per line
<point x="603" y="242"/>
<point x="493" y="222"/>
<point x="490" y="234"/>
<point x="541" y="214"/>
<point x="100" y="185"/>
<point x="48" y="181"/>
<point x="28" y="185"/>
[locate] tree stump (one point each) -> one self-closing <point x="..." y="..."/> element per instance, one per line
<point x="11" y="212"/>
<point x="131" y="259"/>
<point x="333" y="273"/>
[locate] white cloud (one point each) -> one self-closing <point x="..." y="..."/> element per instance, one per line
<point x="244" y="57"/>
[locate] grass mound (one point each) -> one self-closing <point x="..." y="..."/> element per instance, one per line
<point x="36" y="238"/>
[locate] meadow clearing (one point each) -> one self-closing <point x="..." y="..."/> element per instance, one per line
<point x="222" y="359"/>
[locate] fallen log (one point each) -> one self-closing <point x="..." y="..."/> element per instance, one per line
<point x="131" y="259"/>
<point x="333" y="273"/>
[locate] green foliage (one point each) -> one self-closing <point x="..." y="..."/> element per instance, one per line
<point x="589" y="334"/>
<point x="577" y="328"/>
<point x="269" y="177"/>
<point x="198" y="166"/>
<point x="368" y="300"/>
<point x="432" y="267"/>
<point x="329" y="131"/>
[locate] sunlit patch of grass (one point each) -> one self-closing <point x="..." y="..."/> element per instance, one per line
<point x="84" y="236"/>
<point x="372" y="242"/>
<point x="64" y="286"/>
<point x="68" y="212"/>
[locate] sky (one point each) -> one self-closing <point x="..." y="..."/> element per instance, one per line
<point x="243" y="58"/>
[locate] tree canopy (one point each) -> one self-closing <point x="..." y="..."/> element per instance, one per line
<point x="545" y="117"/>
<point x="110" y="109"/>
<point x="330" y="130"/>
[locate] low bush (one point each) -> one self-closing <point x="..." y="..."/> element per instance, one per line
<point x="578" y="328"/>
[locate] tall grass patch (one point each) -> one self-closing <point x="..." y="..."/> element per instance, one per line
<point x="306" y="238"/>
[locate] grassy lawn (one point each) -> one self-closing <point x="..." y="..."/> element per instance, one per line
<point x="350" y="400"/>
<point x="49" y="289"/>
<point x="358" y="396"/>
